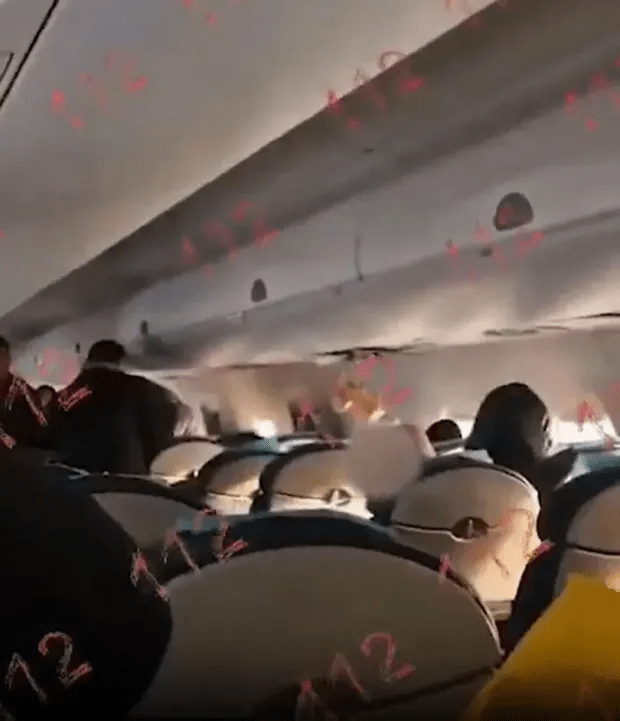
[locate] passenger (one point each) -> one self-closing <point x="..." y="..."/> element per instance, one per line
<point x="78" y="590"/>
<point x="512" y="426"/>
<point x="443" y="430"/>
<point x="109" y="420"/>
<point x="22" y="421"/>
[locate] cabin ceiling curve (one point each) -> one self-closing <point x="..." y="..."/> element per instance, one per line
<point x="318" y="164"/>
<point x="124" y="107"/>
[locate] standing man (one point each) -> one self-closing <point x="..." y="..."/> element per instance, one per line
<point x="22" y="421"/>
<point x="109" y="420"/>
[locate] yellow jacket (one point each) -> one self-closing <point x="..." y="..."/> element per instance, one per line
<point x="567" y="666"/>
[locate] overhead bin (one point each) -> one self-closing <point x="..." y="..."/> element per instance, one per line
<point x="22" y="25"/>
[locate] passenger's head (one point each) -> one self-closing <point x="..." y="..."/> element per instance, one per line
<point x="512" y="426"/>
<point x="443" y="430"/>
<point x="46" y="395"/>
<point x="5" y="357"/>
<point x="511" y="414"/>
<point x="106" y="351"/>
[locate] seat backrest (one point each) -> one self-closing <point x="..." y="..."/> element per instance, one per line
<point x="480" y="516"/>
<point x="183" y="458"/>
<point x="385" y="457"/>
<point x="593" y="541"/>
<point x="311" y="477"/>
<point x="229" y="481"/>
<point x="145" y="509"/>
<point x="369" y="612"/>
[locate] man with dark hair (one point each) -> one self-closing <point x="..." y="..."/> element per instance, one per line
<point x="109" y="420"/>
<point x="106" y="351"/>
<point x="444" y="430"/>
<point x="22" y="421"/>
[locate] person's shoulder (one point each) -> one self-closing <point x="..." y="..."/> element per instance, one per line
<point x="150" y="388"/>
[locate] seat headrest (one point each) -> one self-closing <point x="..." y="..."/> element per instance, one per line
<point x="109" y="483"/>
<point x="592" y="545"/>
<point x="454" y="488"/>
<point x="239" y="477"/>
<point x="478" y="515"/>
<point x="384" y="457"/>
<point x="182" y="459"/>
<point x="228" y="468"/>
<point x="595" y="526"/>
<point x="309" y="477"/>
<point x="377" y="615"/>
<point x="559" y="510"/>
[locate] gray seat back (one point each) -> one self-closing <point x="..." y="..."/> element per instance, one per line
<point x="593" y="541"/>
<point x="492" y="548"/>
<point x="183" y="459"/>
<point x="248" y="633"/>
<point x="145" y="508"/>
<point x="230" y="480"/>
<point x="310" y="477"/>
<point x="147" y="519"/>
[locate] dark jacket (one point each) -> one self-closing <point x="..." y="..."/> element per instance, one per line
<point x="22" y="421"/>
<point x="108" y="420"/>
<point x="73" y="579"/>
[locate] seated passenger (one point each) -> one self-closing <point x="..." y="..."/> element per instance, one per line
<point x="84" y="625"/>
<point x="22" y="421"/>
<point x="512" y="426"/>
<point x="109" y="420"/>
<point x="443" y="430"/>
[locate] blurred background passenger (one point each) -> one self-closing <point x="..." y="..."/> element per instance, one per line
<point x="443" y="430"/>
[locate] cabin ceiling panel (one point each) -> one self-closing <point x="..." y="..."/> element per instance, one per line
<point x="126" y="106"/>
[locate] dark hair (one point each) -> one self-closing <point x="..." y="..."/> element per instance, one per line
<point x="443" y="430"/>
<point x="510" y="427"/>
<point x="106" y="351"/>
<point x="4" y="344"/>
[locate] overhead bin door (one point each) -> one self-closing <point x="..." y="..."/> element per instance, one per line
<point x="22" y="24"/>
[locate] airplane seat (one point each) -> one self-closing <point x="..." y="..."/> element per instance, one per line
<point x="479" y="516"/>
<point x="184" y="458"/>
<point x="593" y="541"/>
<point x="383" y="458"/>
<point x="145" y="509"/>
<point x="311" y="476"/>
<point x="578" y="520"/>
<point x="229" y="481"/>
<point x="343" y="599"/>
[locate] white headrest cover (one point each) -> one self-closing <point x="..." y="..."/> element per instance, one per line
<point x="238" y="477"/>
<point x="485" y="492"/>
<point x="382" y="457"/>
<point x="306" y="482"/>
<point x="184" y="458"/>
<point x="319" y="602"/>
<point x="493" y="564"/>
<point x="233" y="485"/>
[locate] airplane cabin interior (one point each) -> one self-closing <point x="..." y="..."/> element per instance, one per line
<point x="322" y="227"/>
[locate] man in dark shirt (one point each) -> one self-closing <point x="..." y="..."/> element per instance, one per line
<point x="109" y="420"/>
<point x="84" y="622"/>
<point x="22" y="421"/>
